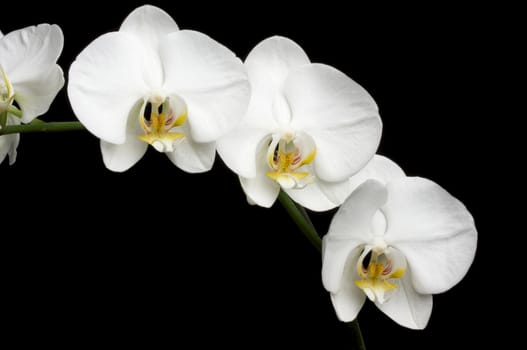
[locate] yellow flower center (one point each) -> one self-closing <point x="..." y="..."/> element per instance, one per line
<point x="379" y="273"/>
<point x="285" y="158"/>
<point x="159" y="122"/>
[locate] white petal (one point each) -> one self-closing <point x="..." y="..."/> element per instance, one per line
<point x="5" y="146"/>
<point x="122" y="157"/>
<point x="353" y="219"/>
<point x="379" y="168"/>
<point x="238" y="150"/>
<point x="268" y="65"/>
<point x="350" y="227"/>
<point x="193" y="157"/>
<point x="261" y="190"/>
<point x="105" y="82"/>
<point x="259" y="114"/>
<point x="407" y="307"/>
<point x="24" y="51"/>
<point x="348" y="300"/>
<point x="29" y="57"/>
<point x="9" y="143"/>
<point x="12" y="153"/>
<point x="434" y="230"/>
<point x="35" y="96"/>
<point x="321" y="195"/>
<point x="339" y="114"/>
<point x="150" y="24"/>
<point x="336" y="252"/>
<point x="211" y="80"/>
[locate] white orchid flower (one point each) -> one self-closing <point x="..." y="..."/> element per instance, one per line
<point x="308" y="128"/>
<point x="151" y="83"/>
<point x="29" y="78"/>
<point x="397" y="244"/>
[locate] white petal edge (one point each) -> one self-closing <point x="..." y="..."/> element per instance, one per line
<point x="193" y="157"/>
<point x="150" y="24"/>
<point x="349" y="299"/>
<point x="351" y="226"/>
<point x="24" y="52"/>
<point x="434" y="230"/>
<point x="321" y="195"/>
<point x="268" y="65"/>
<point x="210" y="78"/>
<point x="380" y="168"/>
<point x="105" y="82"/>
<point x="122" y="157"/>
<point x="35" y="96"/>
<point x="260" y="190"/>
<point x="336" y="252"/>
<point x="356" y="213"/>
<point x="238" y="150"/>
<point x="339" y="114"/>
<point x="9" y="143"/>
<point x="407" y="307"/>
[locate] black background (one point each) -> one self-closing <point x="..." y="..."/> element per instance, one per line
<point x="155" y="255"/>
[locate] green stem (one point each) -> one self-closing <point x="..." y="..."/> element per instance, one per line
<point x="15" y="111"/>
<point x="358" y="340"/>
<point x="3" y="119"/>
<point x="301" y="220"/>
<point x="39" y="126"/>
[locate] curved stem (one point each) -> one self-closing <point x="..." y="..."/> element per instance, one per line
<point x="301" y="219"/>
<point x="40" y="126"/>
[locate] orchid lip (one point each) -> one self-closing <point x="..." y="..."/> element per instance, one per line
<point x="286" y="157"/>
<point x="379" y="270"/>
<point x="161" y="124"/>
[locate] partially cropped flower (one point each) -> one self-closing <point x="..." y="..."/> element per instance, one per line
<point x="308" y="128"/>
<point x="397" y="244"/>
<point x="29" y="78"/>
<point x="9" y="143"/>
<point x="153" y="84"/>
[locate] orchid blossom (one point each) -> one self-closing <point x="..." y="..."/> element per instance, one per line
<point x="29" y="78"/>
<point x="397" y="244"/>
<point x="152" y="84"/>
<point x="308" y="129"/>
